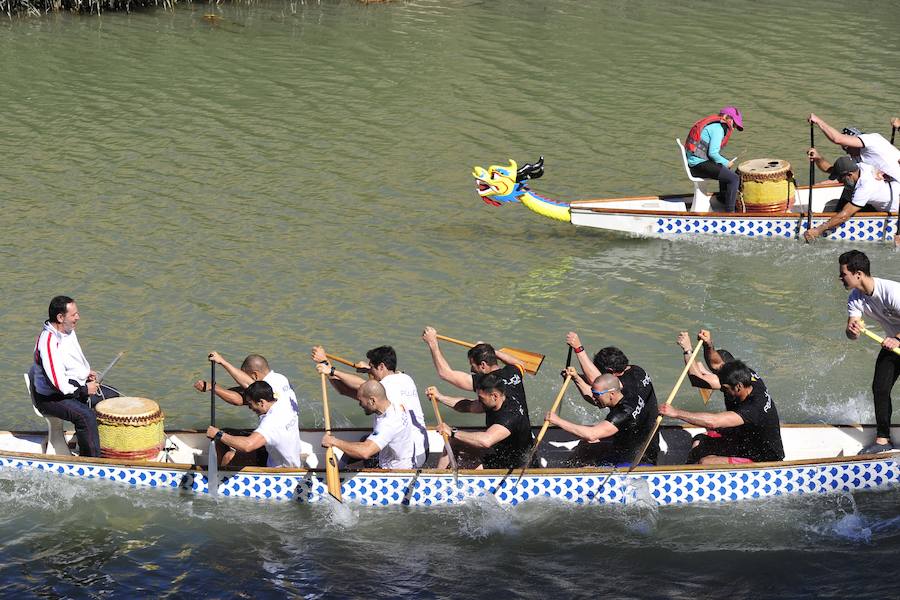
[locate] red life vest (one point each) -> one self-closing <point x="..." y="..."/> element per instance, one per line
<point x="693" y="143"/>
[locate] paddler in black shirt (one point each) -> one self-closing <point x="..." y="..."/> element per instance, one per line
<point x="616" y="439"/>
<point x="482" y="360"/>
<point x="747" y="431"/>
<point x="506" y="440"/>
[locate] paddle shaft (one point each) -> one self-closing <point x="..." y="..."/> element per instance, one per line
<point x="212" y="476"/>
<point x="812" y="180"/>
<point x="540" y="435"/>
<point x="684" y="371"/>
<point x="343" y="361"/>
<point x="878" y="339"/>
<point x="440" y="421"/>
<point x="531" y="361"/>
<point x="103" y="373"/>
<point x="332" y="476"/>
<point x="893" y="133"/>
<point x="568" y="364"/>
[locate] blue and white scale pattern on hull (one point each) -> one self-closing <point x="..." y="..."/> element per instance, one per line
<point x="854" y="230"/>
<point x="372" y="489"/>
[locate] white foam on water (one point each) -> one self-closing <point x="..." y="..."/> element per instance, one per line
<point x="483" y="516"/>
<point x="641" y="509"/>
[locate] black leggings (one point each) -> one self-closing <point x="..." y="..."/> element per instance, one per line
<point x="728" y="181"/>
<point x="887" y="369"/>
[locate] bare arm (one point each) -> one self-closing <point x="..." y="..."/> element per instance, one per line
<point x="241" y="378"/>
<point x="241" y="443"/>
<point x="591" y="372"/>
<point x="703" y="419"/>
<point x="459" y="379"/>
<point x="483" y="439"/>
<point x="229" y="396"/>
<point x="848" y="211"/>
<point x="835" y="136"/>
<point x="589" y="433"/>
<point x="458" y="404"/>
<point x="358" y="450"/>
<point x="854" y="328"/>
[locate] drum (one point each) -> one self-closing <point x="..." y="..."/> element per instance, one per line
<point x="767" y="186"/>
<point x="130" y="428"/>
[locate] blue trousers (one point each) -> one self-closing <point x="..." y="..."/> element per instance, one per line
<point x="79" y="414"/>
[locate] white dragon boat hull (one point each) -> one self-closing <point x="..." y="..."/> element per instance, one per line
<point x="685" y="214"/>
<point x="819" y="461"/>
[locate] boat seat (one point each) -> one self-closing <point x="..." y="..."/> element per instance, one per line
<point x="702" y="198"/>
<point x="56" y="435"/>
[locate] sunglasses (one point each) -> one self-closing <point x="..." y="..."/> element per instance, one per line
<point x="597" y="394"/>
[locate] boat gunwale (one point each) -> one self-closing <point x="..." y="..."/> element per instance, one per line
<point x="551" y="471"/>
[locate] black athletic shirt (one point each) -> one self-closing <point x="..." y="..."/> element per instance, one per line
<point x="511" y="452"/>
<point x="634" y="416"/>
<point x="759" y="438"/>
<point x="512" y="376"/>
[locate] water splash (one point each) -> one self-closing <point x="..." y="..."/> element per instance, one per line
<point x="641" y="509"/>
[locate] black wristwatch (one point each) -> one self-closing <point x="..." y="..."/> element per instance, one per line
<point x="218" y="436"/>
<point x="453" y="431"/>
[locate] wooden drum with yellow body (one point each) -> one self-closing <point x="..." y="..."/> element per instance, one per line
<point x="131" y="428"/>
<point x="767" y="186"/>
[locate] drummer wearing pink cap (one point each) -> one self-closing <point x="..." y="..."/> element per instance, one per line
<point x="703" y="147"/>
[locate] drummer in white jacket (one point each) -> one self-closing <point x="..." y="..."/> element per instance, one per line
<point x="63" y="380"/>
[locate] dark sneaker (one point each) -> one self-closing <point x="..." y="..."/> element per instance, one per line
<point x="874" y="448"/>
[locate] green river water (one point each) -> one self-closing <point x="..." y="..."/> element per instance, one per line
<point x="293" y="173"/>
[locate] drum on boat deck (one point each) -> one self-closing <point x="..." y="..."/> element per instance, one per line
<point x="131" y="428"/>
<point x="767" y="186"/>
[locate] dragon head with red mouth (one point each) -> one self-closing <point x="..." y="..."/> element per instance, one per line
<point x="499" y="184"/>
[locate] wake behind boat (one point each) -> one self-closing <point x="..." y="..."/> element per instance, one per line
<point x="819" y="460"/>
<point x="773" y="206"/>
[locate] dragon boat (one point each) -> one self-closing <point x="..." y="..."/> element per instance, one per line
<point x="697" y="213"/>
<point x="819" y="460"/>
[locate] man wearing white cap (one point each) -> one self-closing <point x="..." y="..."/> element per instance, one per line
<point x="703" y="147"/>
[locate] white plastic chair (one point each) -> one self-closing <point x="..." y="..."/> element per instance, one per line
<point x="701" y="196"/>
<point x="56" y="435"/>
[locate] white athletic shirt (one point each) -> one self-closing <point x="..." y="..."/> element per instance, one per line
<point x="395" y="436"/>
<point x="881" y="154"/>
<point x="877" y="193"/>
<point x="282" y="389"/>
<point x="883" y="305"/>
<point x="401" y="389"/>
<point x="280" y="428"/>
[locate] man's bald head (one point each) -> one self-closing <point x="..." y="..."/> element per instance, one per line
<point x="372" y="389"/>
<point x="607" y="381"/>
<point x="255" y="362"/>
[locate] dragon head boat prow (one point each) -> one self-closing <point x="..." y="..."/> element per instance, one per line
<point x="499" y="184"/>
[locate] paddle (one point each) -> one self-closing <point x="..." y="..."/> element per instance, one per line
<point x="344" y="361"/>
<point x="453" y="464"/>
<point x="103" y="373"/>
<point x="893" y="133"/>
<point x="568" y="364"/>
<point x="532" y="360"/>
<point x="659" y="418"/>
<point x="812" y="180"/>
<point x="212" y="473"/>
<point x="332" y="477"/>
<point x="877" y="338"/>
<point x="539" y="438"/>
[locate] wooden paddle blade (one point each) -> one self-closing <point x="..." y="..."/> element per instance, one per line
<point x="532" y="360"/>
<point x="332" y="477"/>
<point x="705" y="394"/>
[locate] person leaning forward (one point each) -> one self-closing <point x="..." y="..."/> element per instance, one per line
<point x="506" y="440"/>
<point x="278" y="429"/>
<point x="879" y="299"/>
<point x="617" y="439"/>
<point x="869" y="186"/>
<point x="381" y="366"/>
<point x="703" y="145"/>
<point x="64" y="384"/>
<point x="394" y="438"/>
<point x="254" y="368"/>
<point x="482" y="361"/>
<point x="747" y="431"/>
